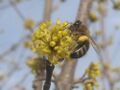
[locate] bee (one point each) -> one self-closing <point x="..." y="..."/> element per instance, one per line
<point x="79" y="29"/>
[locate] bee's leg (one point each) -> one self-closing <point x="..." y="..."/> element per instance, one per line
<point x="49" y="72"/>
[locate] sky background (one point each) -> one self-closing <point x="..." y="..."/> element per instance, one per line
<point x="12" y="29"/>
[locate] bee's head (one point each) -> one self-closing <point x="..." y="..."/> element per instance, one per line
<point x="77" y="24"/>
<point x="78" y="28"/>
<point x="75" y="27"/>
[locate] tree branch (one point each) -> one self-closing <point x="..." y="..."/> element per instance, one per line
<point x="49" y="71"/>
<point x="47" y="10"/>
<point x="17" y="10"/>
<point x="83" y="10"/>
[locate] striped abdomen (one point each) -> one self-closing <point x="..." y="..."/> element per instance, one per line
<point x="80" y="50"/>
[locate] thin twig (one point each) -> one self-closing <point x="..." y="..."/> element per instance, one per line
<point x="17" y="10"/>
<point x="13" y="47"/>
<point x="20" y="14"/>
<point x="47" y="10"/>
<point x="4" y="7"/>
<point x="49" y="71"/>
<point x="81" y="79"/>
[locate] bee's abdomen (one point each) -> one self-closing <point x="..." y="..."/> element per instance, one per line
<point x="81" y="51"/>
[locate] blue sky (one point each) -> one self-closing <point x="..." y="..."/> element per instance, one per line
<point x="13" y="28"/>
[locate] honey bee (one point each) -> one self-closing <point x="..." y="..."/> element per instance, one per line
<point x="79" y="29"/>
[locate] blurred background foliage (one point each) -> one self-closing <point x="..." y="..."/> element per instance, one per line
<point x="18" y="18"/>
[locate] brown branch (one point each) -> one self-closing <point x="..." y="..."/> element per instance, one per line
<point x="47" y="10"/>
<point x="49" y="71"/>
<point x="44" y="78"/>
<point x="37" y="83"/>
<point x="64" y="80"/>
<point x="84" y="8"/>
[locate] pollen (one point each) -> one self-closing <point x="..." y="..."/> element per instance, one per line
<point x="83" y="38"/>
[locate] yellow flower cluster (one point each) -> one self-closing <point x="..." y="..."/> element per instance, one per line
<point x="53" y="41"/>
<point x="35" y="64"/>
<point x="92" y="17"/>
<point x="93" y="71"/>
<point x="90" y="84"/>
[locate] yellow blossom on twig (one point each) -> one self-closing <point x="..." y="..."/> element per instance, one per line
<point x="93" y="71"/>
<point x="28" y="23"/>
<point x="90" y="84"/>
<point x="53" y="41"/>
<point x="93" y="17"/>
<point x="35" y="64"/>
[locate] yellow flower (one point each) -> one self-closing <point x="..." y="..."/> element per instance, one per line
<point x="46" y="51"/>
<point x="55" y="38"/>
<point x="93" y="71"/>
<point x="65" y="33"/>
<point x="65" y="24"/>
<point x="56" y="48"/>
<point x="59" y="51"/>
<point x="28" y="23"/>
<point x="89" y="85"/>
<point x="42" y="26"/>
<point x="27" y="44"/>
<point x="52" y="43"/>
<point x="58" y="22"/>
<point x="93" y="17"/>
<point x="36" y="64"/>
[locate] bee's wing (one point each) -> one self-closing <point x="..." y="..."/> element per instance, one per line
<point x="96" y="48"/>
